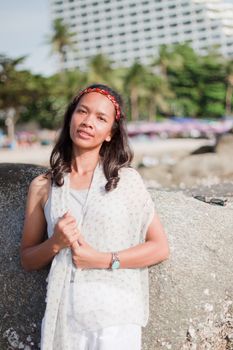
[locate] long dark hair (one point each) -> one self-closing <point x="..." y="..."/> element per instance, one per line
<point x="115" y="154"/>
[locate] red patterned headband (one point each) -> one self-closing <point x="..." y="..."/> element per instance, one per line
<point x="105" y="93"/>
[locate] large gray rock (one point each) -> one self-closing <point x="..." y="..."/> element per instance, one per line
<point x="225" y="144"/>
<point x="208" y="167"/>
<point x="21" y="293"/>
<point x="193" y="169"/>
<point x="191" y="294"/>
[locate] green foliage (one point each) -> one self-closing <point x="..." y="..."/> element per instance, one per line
<point x="199" y="83"/>
<point x="61" y="40"/>
<point x="179" y="82"/>
<point x="214" y="109"/>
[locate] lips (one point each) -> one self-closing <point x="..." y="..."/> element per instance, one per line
<point x="84" y="134"/>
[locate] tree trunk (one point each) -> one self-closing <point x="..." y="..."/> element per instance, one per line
<point x="152" y="109"/>
<point x="62" y="60"/>
<point x="134" y="104"/>
<point x="10" y="123"/>
<point x="228" y="99"/>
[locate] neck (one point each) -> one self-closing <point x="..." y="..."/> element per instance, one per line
<point x="85" y="162"/>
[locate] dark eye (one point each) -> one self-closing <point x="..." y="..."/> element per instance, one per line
<point x="81" y="111"/>
<point x="102" y="118"/>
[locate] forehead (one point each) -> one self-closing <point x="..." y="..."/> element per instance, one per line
<point x="97" y="101"/>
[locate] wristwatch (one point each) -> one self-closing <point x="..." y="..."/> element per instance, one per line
<point x="115" y="263"/>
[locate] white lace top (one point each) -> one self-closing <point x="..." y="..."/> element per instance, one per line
<point x="111" y="221"/>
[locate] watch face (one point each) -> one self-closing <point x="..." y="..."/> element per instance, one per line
<point x="116" y="264"/>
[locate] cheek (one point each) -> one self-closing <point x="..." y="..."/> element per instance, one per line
<point x="103" y="131"/>
<point x="73" y="126"/>
<point x="74" y="122"/>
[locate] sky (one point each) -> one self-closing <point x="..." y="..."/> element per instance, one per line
<point x="24" y="25"/>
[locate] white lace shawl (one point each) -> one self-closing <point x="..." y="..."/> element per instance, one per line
<point x="131" y="212"/>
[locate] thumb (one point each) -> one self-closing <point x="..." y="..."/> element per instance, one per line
<point x="81" y="240"/>
<point x="68" y="213"/>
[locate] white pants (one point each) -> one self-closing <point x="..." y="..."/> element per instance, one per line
<point x="122" y="337"/>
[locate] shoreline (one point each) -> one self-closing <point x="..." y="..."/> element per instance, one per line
<point x="157" y="149"/>
<point x="39" y="155"/>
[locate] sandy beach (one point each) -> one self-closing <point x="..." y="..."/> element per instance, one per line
<point x="39" y="155"/>
<point x="164" y="164"/>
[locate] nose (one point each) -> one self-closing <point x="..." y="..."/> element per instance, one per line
<point x="88" y="120"/>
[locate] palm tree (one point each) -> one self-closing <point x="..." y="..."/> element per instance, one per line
<point x="168" y="56"/>
<point x="183" y="74"/>
<point x="100" y="70"/>
<point x="61" y="40"/>
<point x="134" y="85"/>
<point x="158" y="94"/>
<point x="229" y="91"/>
<point x="163" y="60"/>
<point x="13" y="84"/>
<point x="11" y="93"/>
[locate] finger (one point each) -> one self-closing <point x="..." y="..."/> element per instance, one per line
<point x="66" y="225"/>
<point x="75" y="246"/>
<point x="74" y="262"/>
<point x="72" y="231"/>
<point x="67" y="215"/>
<point x="67" y="239"/>
<point x="81" y="239"/>
<point x="69" y="222"/>
<point x="75" y="238"/>
<point x="71" y="227"/>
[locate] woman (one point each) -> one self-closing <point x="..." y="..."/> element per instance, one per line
<point x="103" y="231"/>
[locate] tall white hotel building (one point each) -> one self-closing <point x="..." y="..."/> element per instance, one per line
<point x="129" y="30"/>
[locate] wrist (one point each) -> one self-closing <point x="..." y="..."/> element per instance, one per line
<point x="54" y="246"/>
<point x="104" y="260"/>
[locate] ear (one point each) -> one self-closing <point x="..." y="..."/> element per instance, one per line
<point x="108" y="138"/>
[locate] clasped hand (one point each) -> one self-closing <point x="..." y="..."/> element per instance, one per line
<point x="66" y="234"/>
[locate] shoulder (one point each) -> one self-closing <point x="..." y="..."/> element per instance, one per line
<point x="39" y="188"/>
<point x="128" y="171"/>
<point x="134" y="188"/>
<point x="130" y="174"/>
<point x="131" y="179"/>
<point x="39" y="182"/>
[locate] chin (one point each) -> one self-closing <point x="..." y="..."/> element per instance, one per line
<point x="81" y="145"/>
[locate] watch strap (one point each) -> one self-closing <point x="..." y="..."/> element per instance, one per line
<point x="115" y="263"/>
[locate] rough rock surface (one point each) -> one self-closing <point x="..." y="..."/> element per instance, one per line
<point x="22" y="293"/>
<point x="191" y="294"/>
<point x="194" y="169"/>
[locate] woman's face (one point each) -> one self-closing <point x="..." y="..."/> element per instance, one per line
<point x="92" y="121"/>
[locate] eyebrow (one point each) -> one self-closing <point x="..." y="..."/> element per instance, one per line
<point x="101" y="113"/>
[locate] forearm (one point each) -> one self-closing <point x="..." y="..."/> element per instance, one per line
<point x="141" y="255"/>
<point x="37" y="257"/>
